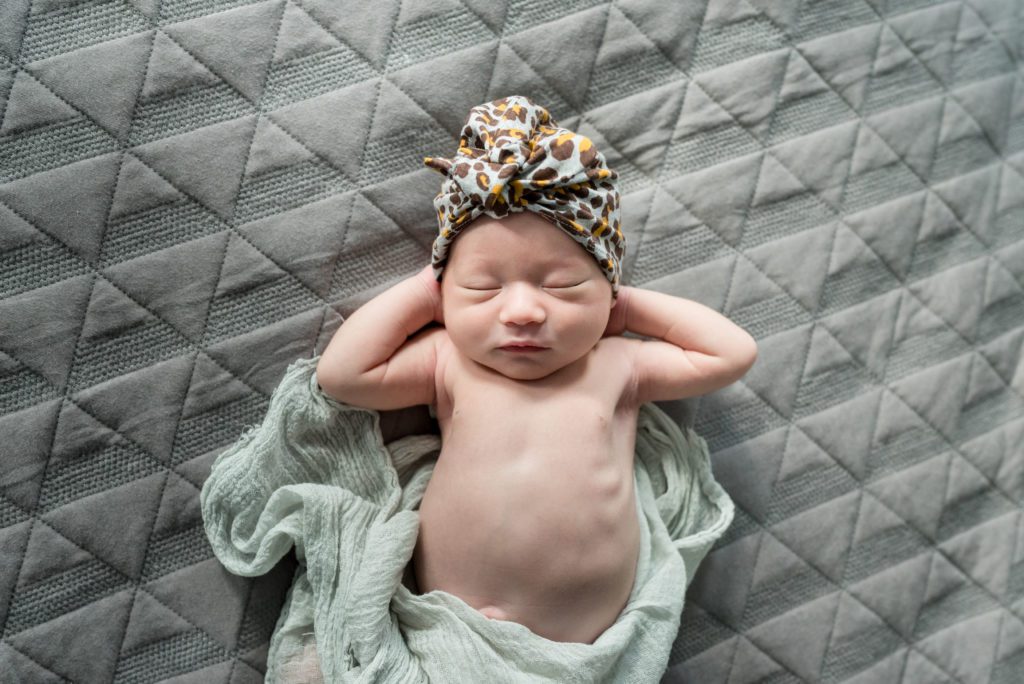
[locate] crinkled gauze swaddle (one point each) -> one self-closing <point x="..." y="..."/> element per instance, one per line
<point x="316" y="476"/>
<point x="514" y="157"/>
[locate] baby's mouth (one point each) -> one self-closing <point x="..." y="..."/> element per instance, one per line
<point x="521" y="348"/>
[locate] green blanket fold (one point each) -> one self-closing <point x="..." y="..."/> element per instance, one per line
<point x="316" y="475"/>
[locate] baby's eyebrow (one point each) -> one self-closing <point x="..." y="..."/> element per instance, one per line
<point x="551" y="262"/>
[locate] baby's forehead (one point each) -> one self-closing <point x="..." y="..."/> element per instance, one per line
<point x="491" y="258"/>
<point x="478" y="249"/>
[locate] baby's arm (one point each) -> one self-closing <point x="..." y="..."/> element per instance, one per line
<point x="695" y="349"/>
<point x="374" y="360"/>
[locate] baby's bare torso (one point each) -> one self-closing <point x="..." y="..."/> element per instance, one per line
<point x="531" y="508"/>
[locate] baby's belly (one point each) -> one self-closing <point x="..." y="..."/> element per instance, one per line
<point x="553" y="544"/>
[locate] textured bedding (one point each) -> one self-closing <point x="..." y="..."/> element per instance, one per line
<point x="195" y="193"/>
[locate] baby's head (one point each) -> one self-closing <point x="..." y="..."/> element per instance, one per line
<point x="519" y="279"/>
<point x="539" y="257"/>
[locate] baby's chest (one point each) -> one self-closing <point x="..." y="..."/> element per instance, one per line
<point x="580" y="418"/>
<point x="582" y="428"/>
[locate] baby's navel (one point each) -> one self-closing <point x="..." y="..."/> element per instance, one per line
<point x="493" y="613"/>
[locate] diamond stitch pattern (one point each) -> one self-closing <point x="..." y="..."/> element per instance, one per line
<point x="194" y="193"/>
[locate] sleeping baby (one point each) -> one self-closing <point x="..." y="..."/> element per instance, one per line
<point x="513" y="337"/>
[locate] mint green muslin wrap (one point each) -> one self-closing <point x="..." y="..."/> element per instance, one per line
<point x="317" y="475"/>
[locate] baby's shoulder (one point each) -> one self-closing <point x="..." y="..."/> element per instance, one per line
<point x="614" y="361"/>
<point x="615" y="351"/>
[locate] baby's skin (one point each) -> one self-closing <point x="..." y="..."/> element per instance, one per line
<point x="530" y="514"/>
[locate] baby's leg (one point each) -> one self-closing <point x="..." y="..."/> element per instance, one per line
<point x="303" y="668"/>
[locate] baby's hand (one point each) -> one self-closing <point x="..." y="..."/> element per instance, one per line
<point x="433" y="290"/>
<point x="617" y="319"/>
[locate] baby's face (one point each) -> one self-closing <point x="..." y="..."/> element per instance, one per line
<point x="522" y="279"/>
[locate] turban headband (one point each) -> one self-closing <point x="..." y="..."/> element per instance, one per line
<point x="514" y="157"/>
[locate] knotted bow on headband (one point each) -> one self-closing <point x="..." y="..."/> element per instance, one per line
<point x="514" y="157"/>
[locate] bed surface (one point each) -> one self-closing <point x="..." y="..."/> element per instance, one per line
<point x="195" y="193"/>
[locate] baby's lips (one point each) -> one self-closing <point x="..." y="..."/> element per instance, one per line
<point x="524" y="344"/>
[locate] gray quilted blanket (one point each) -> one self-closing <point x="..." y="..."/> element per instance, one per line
<point x="195" y="193"/>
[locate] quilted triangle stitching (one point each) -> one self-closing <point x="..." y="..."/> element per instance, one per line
<point x="825" y="450"/>
<point x="67" y="398"/>
<point x="298" y="4"/>
<point x="801" y="375"/>
<point x="17" y="58"/>
<point x="98" y="274"/>
<point x="163" y="486"/>
<point x="965" y="573"/>
<point x="156" y="512"/>
<point x="501" y="35"/>
<point x="988" y="29"/>
<point x="39" y="664"/>
<point x="132" y="581"/>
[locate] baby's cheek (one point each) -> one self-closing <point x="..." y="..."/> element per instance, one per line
<point x="595" y="323"/>
<point x="462" y="328"/>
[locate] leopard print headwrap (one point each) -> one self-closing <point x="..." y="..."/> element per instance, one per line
<point x="514" y="157"/>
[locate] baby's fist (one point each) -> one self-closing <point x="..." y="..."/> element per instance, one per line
<point x="433" y="290"/>
<point x="617" y="318"/>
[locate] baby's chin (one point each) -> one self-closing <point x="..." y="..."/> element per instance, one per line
<point x="524" y="368"/>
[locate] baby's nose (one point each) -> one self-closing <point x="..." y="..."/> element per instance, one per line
<point x="521" y="305"/>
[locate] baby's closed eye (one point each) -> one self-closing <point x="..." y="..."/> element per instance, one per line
<point x="561" y="285"/>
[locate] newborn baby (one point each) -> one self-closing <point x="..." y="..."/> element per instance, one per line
<point x="535" y="390"/>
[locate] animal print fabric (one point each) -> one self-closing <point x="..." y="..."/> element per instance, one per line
<point x="514" y="157"/>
